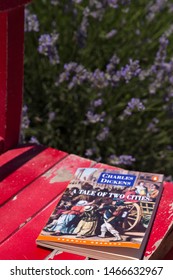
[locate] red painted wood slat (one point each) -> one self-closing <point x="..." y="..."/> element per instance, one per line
<point x="12" y="154"/>
<point x="21" y="166"/>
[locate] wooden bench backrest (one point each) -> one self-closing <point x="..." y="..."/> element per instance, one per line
<point x="11" y="70"/>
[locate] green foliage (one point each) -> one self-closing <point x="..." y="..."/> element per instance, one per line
<point x="140" y="35"/>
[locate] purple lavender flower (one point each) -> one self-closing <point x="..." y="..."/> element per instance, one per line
<point x="171" y="79"/>
<point x="75" y="73"/>
<point x="78" y="74"/>
<point x="99" y="79"/>
<point x="137" y="32"/>
<point x="126" y="160"/>
<point x="62" y="77"/>
<point x="97" y="102"/>
<point x="95" y="118"/>
<point x="89" y="152"/>
<point x="130" y="70"/>
<point x="152" y="126"/>
<point x="97" y="14"/>
<point x="133" y="104"/>
<point x="77" y="1"/>
<point x="155" y="8"/>
<point x="55" y="2"/>
<point x="34" y="140"/>
<point x="97" y="9"/>
<point x="170" y="94"/>
<point x="31" y="22"/>
<point x="170" y="6"/>
<point x="103" y="134"/>
<point x="146" y="73"/>
<point x="81" y="33"/>
<point x="98" y="159"/>
<point x="113" y="3"/>
<point x="136" y="103"/>
<point x="25" y="119"/>
<point x="70" y="67"/>
<point x="122" y="160"/>
<point x="25" y="122"/>
<point x="51" y="116"/>
<point x="111" y="66"/>
<point x="111" y="34"/>
<point x="160" y="72"/>
<point x="47" y="47"/>
<point x="125" y="73"/>
<point x="161" y="54"/>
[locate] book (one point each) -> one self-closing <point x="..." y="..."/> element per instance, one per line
<point x="104" y="214"/>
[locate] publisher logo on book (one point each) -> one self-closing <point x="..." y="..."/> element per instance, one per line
<point x="123" y="180"/>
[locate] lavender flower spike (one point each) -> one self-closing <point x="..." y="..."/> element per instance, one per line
<point x="133" y="104"/>
<point x="47" y="47"/>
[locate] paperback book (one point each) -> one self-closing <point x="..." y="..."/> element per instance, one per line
<point x="104" y="214"/>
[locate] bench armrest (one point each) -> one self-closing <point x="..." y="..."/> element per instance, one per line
<point x="6" y="5"/>
<point x="11" y="70"/>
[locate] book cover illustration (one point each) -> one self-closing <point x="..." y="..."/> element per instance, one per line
<point x="105" y="208"/>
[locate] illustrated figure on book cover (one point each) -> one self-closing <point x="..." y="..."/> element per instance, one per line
<point x="103" y="207"/>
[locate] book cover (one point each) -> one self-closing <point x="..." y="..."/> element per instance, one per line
<point x="104" y="214"/>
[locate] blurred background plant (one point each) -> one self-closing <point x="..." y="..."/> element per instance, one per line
<point x="99" y="80"/>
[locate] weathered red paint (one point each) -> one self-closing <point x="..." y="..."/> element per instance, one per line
<point x="26" y="167"/>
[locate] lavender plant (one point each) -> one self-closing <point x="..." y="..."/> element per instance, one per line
<point x="99" y="82"/>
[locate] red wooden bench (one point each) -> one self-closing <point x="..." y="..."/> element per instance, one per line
<point x="32" y="177"/>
